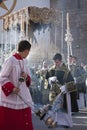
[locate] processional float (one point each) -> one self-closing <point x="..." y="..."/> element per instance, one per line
<point x="23" y="23"/>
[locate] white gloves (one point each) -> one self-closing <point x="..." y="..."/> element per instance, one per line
<point x="63" y="88"/>
<point x="52" y="79"/>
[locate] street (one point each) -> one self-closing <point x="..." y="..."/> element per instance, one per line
<point x="79" y="122"/>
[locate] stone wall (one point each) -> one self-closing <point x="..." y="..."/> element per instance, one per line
<point x="77" y="10"/>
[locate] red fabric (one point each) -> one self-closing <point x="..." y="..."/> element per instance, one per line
<point x="28" y="82"/>
<point x="15" y="119"/>
<point x="17" y="56"/>
<point x="8" y="88"/>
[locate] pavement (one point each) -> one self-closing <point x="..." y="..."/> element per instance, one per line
<point x="79" y="122"/>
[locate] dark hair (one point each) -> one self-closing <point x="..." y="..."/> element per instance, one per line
<point x="75" y="57"/>
<point x="23" y="45"/>
<point x="70" y="56"/>
<point x="57" y="57"/>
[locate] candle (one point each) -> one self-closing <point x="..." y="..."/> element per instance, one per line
<point x="67" y="21"/>
<point x="21" y="22"/>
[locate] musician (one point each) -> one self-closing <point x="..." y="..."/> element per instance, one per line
<point x="14" y="81"/>
<point x="64" y="77"/>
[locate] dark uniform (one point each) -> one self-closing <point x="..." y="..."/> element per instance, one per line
<point x="64" y="77"/>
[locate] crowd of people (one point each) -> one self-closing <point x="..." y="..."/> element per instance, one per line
<point x="61" y="115"/>
<point x="56" y="87"/>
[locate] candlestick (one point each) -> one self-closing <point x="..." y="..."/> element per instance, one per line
<point x="67" y="21"/>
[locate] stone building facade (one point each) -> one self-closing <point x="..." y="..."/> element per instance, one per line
<point x="77" y="10"/>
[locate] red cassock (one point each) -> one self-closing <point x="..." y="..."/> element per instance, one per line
<point x="14" y="113"/>
<point x="11" y="119"/>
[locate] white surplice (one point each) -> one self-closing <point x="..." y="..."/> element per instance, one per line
<point x="10" y="72"/>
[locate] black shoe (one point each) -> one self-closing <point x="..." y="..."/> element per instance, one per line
<point x="66" y="126"/>
<point x="63" y="126"/>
